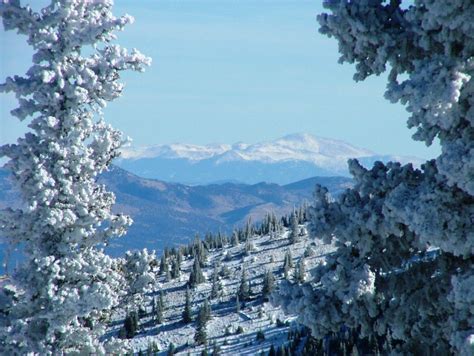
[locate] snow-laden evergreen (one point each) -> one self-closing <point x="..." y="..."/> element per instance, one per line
<point x="405" y="237"/>
<point x="194" y="319"/>
<point x="66" y="282"/>
<point x="137" y="271"/>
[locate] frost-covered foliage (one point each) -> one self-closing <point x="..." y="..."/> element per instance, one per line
<point x="137" y="268"/>
<point x="405" y="237"/>
<point x="66" y="282"/>
<point x="431" y="45"/>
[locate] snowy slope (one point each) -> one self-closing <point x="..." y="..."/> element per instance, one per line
<point x="171" y="213"/>
<point x="284" y="160"/>
<point x="255" y="315"/>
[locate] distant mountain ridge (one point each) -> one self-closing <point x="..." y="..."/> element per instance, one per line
<point x="282" y="161"/>
<point x="171" y="213"/>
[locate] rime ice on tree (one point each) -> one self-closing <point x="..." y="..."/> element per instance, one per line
<point x="405" y="237"/>
<point x="66" y="281"/>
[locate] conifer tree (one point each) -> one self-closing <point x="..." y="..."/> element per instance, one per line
<point x="276" y="225"/>
<point x="175" y="269"/>
<point x="161" y="299"/>
<point x="237" y="303"/>
<point x="153" y="306"/>
<point x="171" y="350"/>
<point x="216" y="350"/>
<point x="300" y="271"/>
<point x="268" y="283"/>
<point x="206" y="310"/>
<point x="225" y="271"/>
<point x="403" y="236"/>
<point x="249" y="247"/>
<point x="286" y="271"/>
<point x="200" y="337"/>
<point x="244" y="290"/>
<point x="309" y="251"/>
<point x="248" y="232"/>
<point x="216" y="288"/>
<point x="131" y="324"/>
<point x="287" y="264"/>
<point x="138" y="274"/>
<point x="260" y="336"/>
<point x="272" y="351"/>
<point x="196" y="277"/>
<point x="224" y="239"/>
<point x="209" y="241"/>
<point x="65" y="278"/>
<point x="187" y="313"/>
<point x="179" y="256"/>
<point x="158" y="315"/>
<point x="288" y="259"/>
<point x="163" y="265"/>
<point x="235" y="239"/>
<point x="199" y="251"/>
<point x="294" y="229"/>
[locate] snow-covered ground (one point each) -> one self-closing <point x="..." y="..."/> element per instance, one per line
<point x="255" y="315"/>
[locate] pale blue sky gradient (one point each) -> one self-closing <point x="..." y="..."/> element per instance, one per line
<point x="227" y="71"/>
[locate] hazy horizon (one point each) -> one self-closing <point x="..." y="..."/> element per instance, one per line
<point x="226" y="72"/>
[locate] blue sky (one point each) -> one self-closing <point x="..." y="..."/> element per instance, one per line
<point x="228" y="71"/>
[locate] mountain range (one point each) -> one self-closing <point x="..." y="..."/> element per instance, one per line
<point x="167" y="214"/>
<point x="282" y="161"/>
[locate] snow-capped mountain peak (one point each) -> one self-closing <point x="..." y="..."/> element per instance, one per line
<point x="283" y="160"/>
<point x="175" y="150"/>
<point x="299" y="146"/>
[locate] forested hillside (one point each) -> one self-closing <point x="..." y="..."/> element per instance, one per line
<point x="168" y="214"/>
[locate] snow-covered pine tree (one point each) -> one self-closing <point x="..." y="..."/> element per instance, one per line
<point x="196" y="276"/>
<point x="65" y="279"/>
<point x="171" y="350"/>
<point x="288" y="259"/>
<point x="244" y="288"/>
<point x="139" y="276"/>
<point x="216" y="289"/>
<point x="268" y="283"/>
<point x="404" y="237"/>
<point x="199" y="250"/>
<point x="294" y="228"/>
<point x="153" y="306"/>
<point x="187" y="313"/>
<point x="200" y="337"/>
<point x="206" y="310"/>
<point x="131" y="324"/>
<point x="175" y="268"/>
<point x="300" y="271"/>
<point x="163" y="265"/>
<point x="287" y="264"/>
<point x="248" y="232"/>
<point x="158" y="314"/>
<point x="179" y="255"/>
<point x="161" y="300"/>
<point x="249" y="247"/>
<point x="237" y="303"/>
<point x="235" y="238"/>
